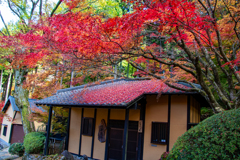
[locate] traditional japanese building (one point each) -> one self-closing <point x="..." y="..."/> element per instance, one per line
<point x="126" y="119"/>
<point x="12" y="128"/>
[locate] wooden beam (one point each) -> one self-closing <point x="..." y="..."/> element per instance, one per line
<point x="10" y="136"/>
<point x="188" y="111"/>
<point x="14" y="116"/>
<point x="68" y="128"/>
<point x="93" y="132"/>
<point x="107" y="138"/>
<point x="141" y="135"/>
<point x="169" y="116"/>
<point x="125" y="135"/>
<point x="80" y="139"/>
<point x="48" y="131"/>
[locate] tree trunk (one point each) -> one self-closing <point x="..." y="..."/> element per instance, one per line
<point x="1" y="81"/>
<point x="72" y="76"/>
<point x="10" y="89"/>
<point x="115" y="71"/>
<point x="21" y="99"/>
<point x="8" y="86"/>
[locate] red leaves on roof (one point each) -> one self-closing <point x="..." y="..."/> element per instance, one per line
<point x="120" y="93"/>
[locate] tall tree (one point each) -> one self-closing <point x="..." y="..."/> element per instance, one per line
<point x="174" y="40"/>
<point x="19" y="57"/>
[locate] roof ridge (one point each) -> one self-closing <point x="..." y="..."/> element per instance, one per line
<point x="101" y="83"/>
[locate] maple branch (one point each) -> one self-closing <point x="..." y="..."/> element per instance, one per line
<point x="55" y="8"/>
<point x="2" y="33"/>
<point x="33" y="8"/>
<point x="235" y="26"/>
<point x="195" y="89"/>
<point x="40" y="8"/>
<point x="204" y="6"/>
<point x="4" y="24"/>
<point x="9" y="5"/>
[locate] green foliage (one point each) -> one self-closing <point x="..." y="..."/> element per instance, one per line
<point x="217" y="137"/>
<point x="164" y="156"/>
<point x="16" y="148"/>
<point x="206" y="112"/>
<point x="34" y="142"/>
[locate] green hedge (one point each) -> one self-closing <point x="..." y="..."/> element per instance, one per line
<point x="34" y="142"/>
<point x="217" y="137"/>
<point x="16" y="148"/>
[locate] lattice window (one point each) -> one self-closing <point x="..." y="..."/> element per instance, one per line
<point x="159" y="132"/>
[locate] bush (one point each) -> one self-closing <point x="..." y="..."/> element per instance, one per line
<point x="16" y="148"/>
<point x="34" y="142"/>
<point x="164" y="156"/>
<point x="217" y="137"/>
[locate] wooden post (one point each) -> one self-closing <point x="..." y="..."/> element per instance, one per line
<point x="188" y="111"/>
<point x="169" y="116"/>
<point x="93" y="132"/>
<point x="68" y="127"/>
<point x="48" y="130"/>
<point x="106" y="144"/>
<point x="141" y="135"/>
<point x="125" y="136"/>
<point x="80" y="139"/>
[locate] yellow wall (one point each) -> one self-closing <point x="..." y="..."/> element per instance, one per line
<point x="75" y="123"/>
<point x="178" y="118"/>
<point x="87" y="140"/>
<point x="74" y="130"/>
<point x="99" y="148"/>
<point x="117" y="114"/>
<point x="10" y="113"/>
<point x="155" y="111"/>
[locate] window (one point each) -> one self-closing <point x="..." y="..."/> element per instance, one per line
<point x="87" y="126"/>
<point x="5" y="130"/>
<point x="159" y="132"/>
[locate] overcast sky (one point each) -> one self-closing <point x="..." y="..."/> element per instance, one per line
<point x="7" y="14"/>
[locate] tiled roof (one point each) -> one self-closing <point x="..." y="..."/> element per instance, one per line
<point x="34" y="107"/>
<point x="110" y="93"/>
<point x="11" y="100"/>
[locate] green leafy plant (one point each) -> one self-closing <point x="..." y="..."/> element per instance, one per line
<point x="34" y="142"/>
<point x="16" y="148"/>
<point x="217" y="137"/>
<point x="164" y="156"/>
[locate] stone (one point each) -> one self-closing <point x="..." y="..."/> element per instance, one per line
<point x="67" y="155"/>
<point x="85" y="157"/>
<point x="63" y="158"/>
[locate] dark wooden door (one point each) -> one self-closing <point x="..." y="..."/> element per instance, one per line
<point x="17" y="133"/>
<point x="115" y="147"/>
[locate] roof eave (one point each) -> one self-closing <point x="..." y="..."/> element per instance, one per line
<point x="127" y="105"/>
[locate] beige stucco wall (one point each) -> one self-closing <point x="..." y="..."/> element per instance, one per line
<point x="74" y="130"/>
<point x="87" y="140"/>
<point x="39" y="126"/>
<point x="155" y="111"/>
<point x="117" y="114"/>
<point x="18" y="118"/>
<point x="178" y="118"/>
<point x="99" y="148"/>
<point x="10" y="113"/>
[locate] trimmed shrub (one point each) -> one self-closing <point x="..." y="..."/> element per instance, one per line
<point x="16" y="148"/>
<point x="34" y="142"/>
<point x="217" y="137"/>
